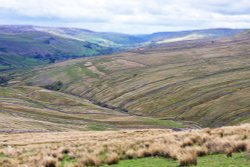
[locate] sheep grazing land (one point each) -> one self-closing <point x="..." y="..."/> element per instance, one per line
<point x="79" y="149"/>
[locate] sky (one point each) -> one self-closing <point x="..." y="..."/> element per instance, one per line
<point x="128" y="16"/>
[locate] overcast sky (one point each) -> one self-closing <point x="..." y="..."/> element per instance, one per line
<point x="128" y="16"/>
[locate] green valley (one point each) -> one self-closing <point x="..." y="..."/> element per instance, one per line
<point x="201" y="81"/>
<point x="114" y="83"/>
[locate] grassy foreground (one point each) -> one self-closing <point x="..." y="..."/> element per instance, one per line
<point x="219" y="160"/>
<point x="226" y="146"/>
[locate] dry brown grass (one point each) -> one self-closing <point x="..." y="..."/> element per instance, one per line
<point x="89" y="161"/>
<point x="50" y="162"/>
<point x="96" y="148"/>
<point x="113" y="158"/>
<point x="187" y="157"/>
<point x="7" y="162"/>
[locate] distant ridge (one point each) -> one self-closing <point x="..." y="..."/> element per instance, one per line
<point x="24" y="46"/>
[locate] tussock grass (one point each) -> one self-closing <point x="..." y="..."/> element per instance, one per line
<point x="50" y="162"/>
<point x="186" y="159"/>
<point x="109" y="147"/>
<point x="113" y="158"/>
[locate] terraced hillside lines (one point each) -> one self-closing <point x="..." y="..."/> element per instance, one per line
<point x="33" y="109"/>
<point x="192" y="80"/>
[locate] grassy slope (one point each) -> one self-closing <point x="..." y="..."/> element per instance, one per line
<point x="37" y="109"/>
<point x="45" y="48"/>
<point x="202" y="81"/>
<point x="32" y="43"/>
<point x="11" y="64"/>
<point x="27" y="46"/>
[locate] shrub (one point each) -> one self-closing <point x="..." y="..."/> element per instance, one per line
<point x="54" y="86"/>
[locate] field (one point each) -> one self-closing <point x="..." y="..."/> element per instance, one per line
<point x="203" y="81"/>
<point x="226" y="146"/>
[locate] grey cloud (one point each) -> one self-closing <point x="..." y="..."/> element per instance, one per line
<point x="129" y="16"/>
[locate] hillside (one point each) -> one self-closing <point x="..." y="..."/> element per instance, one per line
<point x="205" y="81"/>
<point x="23" y="47"/>
<point x="33" y="109"/>
<point x="26" y="47"/>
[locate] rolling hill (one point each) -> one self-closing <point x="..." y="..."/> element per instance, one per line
<point x="26" y="47"/>
<point x="205" y="80"/>
<point x="22" y="47"/>
<point x="34" y="109"/>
